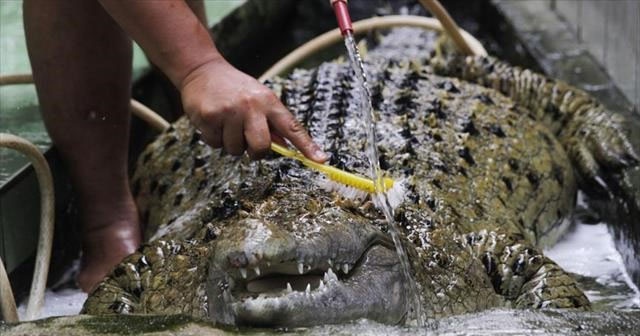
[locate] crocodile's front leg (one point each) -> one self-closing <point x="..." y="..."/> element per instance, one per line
<point x="522" y="274"/>
<point x="595" y="138"/>
<point x="163" y="277"/>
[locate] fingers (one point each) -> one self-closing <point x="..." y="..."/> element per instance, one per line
<point x="239" y="113"/>
<point x="233" y="135"/>
<point x="278" y="139"/>
<point x="209" y="125"/>
<point x="287" y="126"/>
<point x="256" y="133"/>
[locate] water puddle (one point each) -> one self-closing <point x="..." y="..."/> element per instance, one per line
<point x="59" y="303"/>
<point x="367" y="115"/>
<point x="588" y="251"/>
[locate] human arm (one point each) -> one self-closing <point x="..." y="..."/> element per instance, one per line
<point x="230" y="108"/>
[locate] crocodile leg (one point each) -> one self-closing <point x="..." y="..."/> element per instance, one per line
<point x="141" y="283"/>
<point x="595" y="139"/>
<point x="522" y="274"/>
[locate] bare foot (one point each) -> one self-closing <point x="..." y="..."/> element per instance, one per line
<point x="112" y="233"/>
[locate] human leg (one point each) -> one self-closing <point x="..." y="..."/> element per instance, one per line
<point x="81" y="63"/>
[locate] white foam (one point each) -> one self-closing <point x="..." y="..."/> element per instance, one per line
<point x="395" y="196"/>
<point x="589" y="250"/>
<point x="60" y="303"/>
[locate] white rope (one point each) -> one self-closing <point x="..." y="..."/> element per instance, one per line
<point x="43" y="255"/>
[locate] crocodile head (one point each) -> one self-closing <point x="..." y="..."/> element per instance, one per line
<point x="329" y="266"/>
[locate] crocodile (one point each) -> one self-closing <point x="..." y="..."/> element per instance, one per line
<point x="491" y="157"/>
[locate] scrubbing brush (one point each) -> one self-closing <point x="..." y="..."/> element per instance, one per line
<point x="348" y="184"/>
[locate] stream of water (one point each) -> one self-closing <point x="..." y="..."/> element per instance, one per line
<point x="367" y="115"/>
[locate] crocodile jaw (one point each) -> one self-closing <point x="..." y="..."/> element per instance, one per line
<point x="374" y="289"/>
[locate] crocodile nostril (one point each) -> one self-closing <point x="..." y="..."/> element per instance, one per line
<point x="237" y="259"/>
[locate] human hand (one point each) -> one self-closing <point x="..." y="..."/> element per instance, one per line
<point x="235" y="112"/>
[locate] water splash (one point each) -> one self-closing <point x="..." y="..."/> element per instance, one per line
<point x="363" y="99"/>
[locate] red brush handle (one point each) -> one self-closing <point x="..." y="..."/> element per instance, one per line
<point x="342" y="14"/>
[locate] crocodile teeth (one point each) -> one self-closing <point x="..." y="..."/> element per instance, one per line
<point x="257" y="270"/>
<point x="243" y="272"/>
<point x="300" y="268"/>
<point x="330" y="276"/>
<point x="330" y="262"/>
<point x="321" y="285"/>
<point x="308" y="289"/>
<point x="345" y="268"/>
<point x="289" y="289"/>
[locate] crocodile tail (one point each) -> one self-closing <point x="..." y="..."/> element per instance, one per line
<point x="522" y="274"/>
